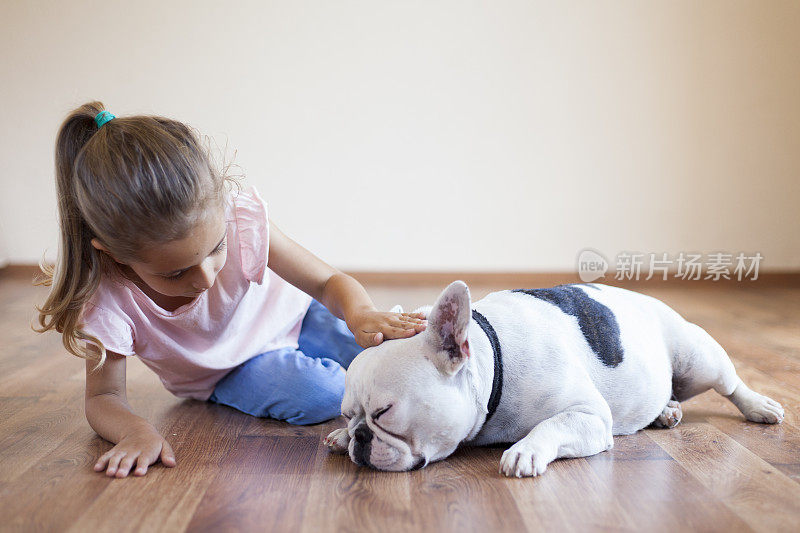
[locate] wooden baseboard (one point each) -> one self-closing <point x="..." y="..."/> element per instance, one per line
<point x="506" y="279"/>
<point x="549" y="279"/>
<point x="19" y="271"/>
<point x="516" y="279"/>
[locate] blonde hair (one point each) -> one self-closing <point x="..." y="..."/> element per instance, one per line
<point x="136" y="180"/>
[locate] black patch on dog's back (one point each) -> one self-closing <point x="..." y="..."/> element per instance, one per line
<point x="598" y="324"/>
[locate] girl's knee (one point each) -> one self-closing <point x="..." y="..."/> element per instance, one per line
<point x="316" y="400"/>
<point x="285" y="385"/>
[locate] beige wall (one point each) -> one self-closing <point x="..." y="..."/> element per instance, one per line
<point x="440" y="135"/>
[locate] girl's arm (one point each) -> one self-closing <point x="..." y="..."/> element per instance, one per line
<point x="340" y="293"/>
<point x="109" y="414"/>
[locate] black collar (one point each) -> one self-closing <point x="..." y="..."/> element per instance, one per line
<point x="497" y="382"/>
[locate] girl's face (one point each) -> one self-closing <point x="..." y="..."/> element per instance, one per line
<point x="184" y="267"/>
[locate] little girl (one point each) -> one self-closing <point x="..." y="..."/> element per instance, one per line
<point x="159" y="259"/>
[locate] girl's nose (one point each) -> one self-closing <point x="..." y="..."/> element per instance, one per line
<point x="206" y="277"/>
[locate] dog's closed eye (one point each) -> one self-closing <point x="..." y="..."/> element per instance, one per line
<point x="377" y="414"/>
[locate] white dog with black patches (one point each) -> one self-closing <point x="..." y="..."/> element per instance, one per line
<point x="558" y="371"/>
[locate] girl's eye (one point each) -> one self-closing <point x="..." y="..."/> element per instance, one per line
<point x="220" y="248"/>
<point x="176" y="276"/>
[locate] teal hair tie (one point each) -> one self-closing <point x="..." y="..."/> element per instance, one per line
<point x="103" y="117"/>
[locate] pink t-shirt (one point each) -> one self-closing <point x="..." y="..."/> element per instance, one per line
<point x="249" y="310"/>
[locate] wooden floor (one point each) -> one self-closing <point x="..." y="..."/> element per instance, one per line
<point x="714" y="472"/>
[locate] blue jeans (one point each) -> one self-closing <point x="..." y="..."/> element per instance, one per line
<point x="303" y="385"/>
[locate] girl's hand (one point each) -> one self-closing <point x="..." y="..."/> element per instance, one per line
<point x="143" y="447"/>
<point x="373" y="327"/>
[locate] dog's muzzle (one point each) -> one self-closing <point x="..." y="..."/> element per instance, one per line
<point x="362" y="444"/>
<point x="421" y="463"/>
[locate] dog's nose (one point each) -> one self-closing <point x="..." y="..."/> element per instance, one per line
<point x="362" y="445"/>
<point x="363" y="434"/>
<point x="420" y="463"/>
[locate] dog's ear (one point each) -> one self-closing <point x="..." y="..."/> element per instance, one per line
<point x="448" y="326"/>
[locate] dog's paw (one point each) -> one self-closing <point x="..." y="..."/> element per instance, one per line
<point x="670" y="416"/>
<point x="760" y="408"/>
<point x="337" y="441"/>
<point x="522" y="460"/>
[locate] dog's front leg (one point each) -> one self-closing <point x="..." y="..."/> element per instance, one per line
<point x="567" y="434"/>
<point x="338" y="440"/>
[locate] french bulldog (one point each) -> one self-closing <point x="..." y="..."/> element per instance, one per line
<point x="557" y="371"/>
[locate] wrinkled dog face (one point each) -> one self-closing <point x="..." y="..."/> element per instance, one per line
<point x="405" y="400"/>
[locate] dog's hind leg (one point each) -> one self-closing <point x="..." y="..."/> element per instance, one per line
<point x="670" y="416"/>
<point x="755" y="406"/>
<point x="700" y="364"/>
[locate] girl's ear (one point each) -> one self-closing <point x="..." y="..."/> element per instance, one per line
<point x="97" y="245"/>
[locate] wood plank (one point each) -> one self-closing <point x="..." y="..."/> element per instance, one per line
<point x="346" y="497"/>
<point x="778" y="445"/>
<point x="167" y="498"/>
<point x="749" y="486"/>
<point x="463" y="493"/>
<point x="37" y="500"/>
<point x="575" y="499"/>
<point x="11" y="405"/>
<point x="641" y="478"/>
<point x="48" y="375"/>
<point x="35" y="432"/>
<point x="262" y="485"/>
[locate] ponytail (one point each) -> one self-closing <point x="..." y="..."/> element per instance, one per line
<point x="75" y="276"/>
